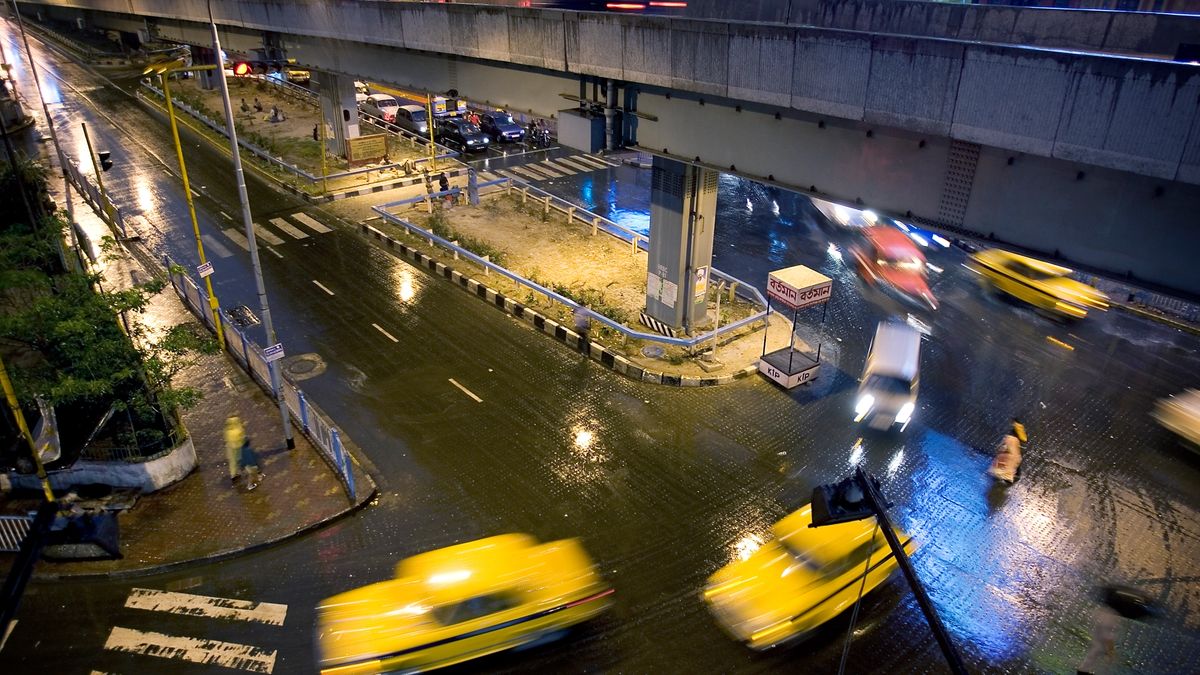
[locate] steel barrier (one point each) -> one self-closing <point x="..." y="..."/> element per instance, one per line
<point x="12" y="532"/>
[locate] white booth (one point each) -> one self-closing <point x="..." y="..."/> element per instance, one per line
<point x="798" y="288"/>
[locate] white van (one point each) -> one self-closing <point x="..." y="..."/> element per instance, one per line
<point x="887" y="393"/>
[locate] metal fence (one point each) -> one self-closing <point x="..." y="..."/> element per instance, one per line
<point x="315" y="423"/>
<point x="100" y="202"/>
<point x="597" y="223"/>
<point x="12" y="532"/>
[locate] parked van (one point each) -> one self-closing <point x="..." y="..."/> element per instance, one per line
<point x="887" y="392"/>
<point x="412" y="118"/>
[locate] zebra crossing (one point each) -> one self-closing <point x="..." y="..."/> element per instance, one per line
<point x="202" y="650"/>
<point x="269" y="233"/>
<point x="547" y="169"/>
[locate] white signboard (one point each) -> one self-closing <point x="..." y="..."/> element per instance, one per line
<point x="670" y="292"/>
<point x="785" y="380"/>
<point x="205" y="270"/>
<point x="662" y="290"/>
<point x="799" y="287"/>
<point x="274" y="352"/>
<point x="701" y="286"/>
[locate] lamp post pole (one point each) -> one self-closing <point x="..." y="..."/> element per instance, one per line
<point x="214" y="306"/>
<point x="248" y="223"/>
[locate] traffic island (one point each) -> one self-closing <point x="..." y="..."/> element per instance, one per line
<point x="534" y="257"/>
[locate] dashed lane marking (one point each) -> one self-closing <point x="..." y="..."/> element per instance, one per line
<point x="194" y="650"/>
<point x="263" y="233"/>
<point x="238" y="238"/>
<point x="322" y="287"/>
<point x="466" y="391"/>
<point x="277" y="253"/>
<point x="205" y="605"/>
<point x="289" y="228"/>
<point x="211" y="245"/>
<point x="387" y="334"/>
<point x="308" y="221"/>
<point x="227" y="216"/>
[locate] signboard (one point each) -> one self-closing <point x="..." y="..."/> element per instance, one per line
<point x="785" y="380"/>
<point x="274" y="352"/>
<point x="660" y="289"/>
<point x="701" y="285"/>
<point x="462" y="106"/>
<point x="205" y="270"/>
<point x="799" y="287"/>
<point x="439" y="105"/>
<point x="366" y="149"/>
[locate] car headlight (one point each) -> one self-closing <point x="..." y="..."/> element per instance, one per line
<point x="470" y="142"/>
<point x="905" y="413"/>
<point x="864" y="405"/>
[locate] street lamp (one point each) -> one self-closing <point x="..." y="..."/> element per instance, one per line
<point x="164" y="71"/>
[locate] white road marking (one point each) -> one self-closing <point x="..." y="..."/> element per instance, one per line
<point x="527" y="174"/>
<point x="204" y="605"/>
<point x="509" y="174"/>
<point x="466" y="391"/>
<point x="289" y="228"/>
<point x="572" y="161"/>
<point x="237" y="237"/>
<point x="211" y="245"/>
<point x="322" y="287"/>
<point x="306" y="219"/>
<point x="381" y="330"/>
<point x="562" y="167"/>
<point x="7" y="631"/>
<point x="195" y="650"/>
<point x="263" y="233"/>
<point x="194" y="193"/>
<point x="277" y="253"/>
<point x="598" y="158"/>
<point x="541" y="170"/>
<point x="227" y="216"/>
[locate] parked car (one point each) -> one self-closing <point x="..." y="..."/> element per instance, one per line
<point x="1044" y="285"/>
<point x="412" y="118"/>
<point x="500" y="127"/>
<point x="887" y="392"/>
<point x="458" y="132"/>
<point x="361" y="87"/>
<point x="800" y="579"/>
<point x="888" y="258"/>
<point x="381" y="106"/>
<point x="1181" y="414"/>
<point x="298" y="76"/>
<point x="459" y="603"/>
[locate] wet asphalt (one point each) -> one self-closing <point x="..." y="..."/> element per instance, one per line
<point x="674" y="483"/>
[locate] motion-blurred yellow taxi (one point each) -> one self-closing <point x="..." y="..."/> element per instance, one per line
<point x="799" y="580"/>
<point x="1038" y="283"/>
<point x="458" y="603"/>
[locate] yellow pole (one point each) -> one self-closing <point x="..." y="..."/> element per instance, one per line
<point x="13" y="405"/>
<point x="97" y="170"/>
<point x="213" y="305"/>
<point x="429" y="123"/>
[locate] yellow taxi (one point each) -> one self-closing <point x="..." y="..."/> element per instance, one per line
<point x="800" y="579"/>
<point x="458" y="603"/>
<point x="1038" y="283"/>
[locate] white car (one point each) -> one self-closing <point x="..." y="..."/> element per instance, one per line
<point x="381" y="106"/>
<point x="1181" y="414"/>
<point x="887" y="393"/>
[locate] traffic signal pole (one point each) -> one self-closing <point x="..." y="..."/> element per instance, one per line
<point x="878" y="504"/>
<point x="104" y="203"/>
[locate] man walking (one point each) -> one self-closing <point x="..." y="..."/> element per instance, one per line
<point x="235" y="438"/>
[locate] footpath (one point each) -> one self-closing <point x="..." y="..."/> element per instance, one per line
<point x="203" y="517"/>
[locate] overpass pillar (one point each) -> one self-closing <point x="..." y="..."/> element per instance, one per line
<point x="339" y="108"/>
<point x="203" y="56"/>
<point x="683" y="207"/>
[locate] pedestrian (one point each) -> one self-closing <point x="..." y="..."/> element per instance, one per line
<point x="277" y="114"/>
<point x="316" y="134"/>
<point x="258" y="106"/>
<point x="235" y="438"/>
<point x="249" y="460"/>
<point x="583" y="326"/>
<point x="1102" y="654"/>
<point x="245" y="108"/>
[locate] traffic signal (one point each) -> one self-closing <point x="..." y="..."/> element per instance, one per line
<point x="105" y="161"/>
<point x="242" y="69"/>
<point x="844" y="501"/>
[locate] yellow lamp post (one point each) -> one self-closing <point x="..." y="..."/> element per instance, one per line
<point x="164" y="71"/>
<point x="15" y="407"/>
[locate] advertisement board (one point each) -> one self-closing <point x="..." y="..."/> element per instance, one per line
<point x="799" y="287"/>
<point x="366" y="149"/>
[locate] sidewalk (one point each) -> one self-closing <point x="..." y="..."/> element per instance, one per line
<point x="204" y="517"/>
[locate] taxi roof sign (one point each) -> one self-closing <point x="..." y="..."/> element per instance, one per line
<point x="799" y="287"/>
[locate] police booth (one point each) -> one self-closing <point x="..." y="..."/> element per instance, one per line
<point x="798" y="288"/>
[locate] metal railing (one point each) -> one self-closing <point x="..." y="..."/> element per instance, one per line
<point x="597" y="223"/>
<point x="13" y="530"/>
<point x="100" y="202"/>
<point x="315" y="423"/>
<point x="134" y="454"/>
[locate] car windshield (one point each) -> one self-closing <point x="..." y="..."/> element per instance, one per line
<point x="1029" y="271"/>
<point x="904" y="264"/>
<point x="502" y="118"/>
<point x="468" y="128"/>
<point x="418" y="115"/>
<point x="386" y="103"/>
<point x="472" y="608"/>
<point x="888" y="384"/>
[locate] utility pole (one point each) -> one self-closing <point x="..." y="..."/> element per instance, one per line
<point x="15" y="406"/>
<point x="248" y="223"/>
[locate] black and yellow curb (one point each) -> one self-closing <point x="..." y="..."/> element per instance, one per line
<point x="597" y="352"/>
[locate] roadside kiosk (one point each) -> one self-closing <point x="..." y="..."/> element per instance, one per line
<point x="797" y="287"/>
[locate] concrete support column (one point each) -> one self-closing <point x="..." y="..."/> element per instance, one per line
<point x="610" y="114"/>
<point x="339" y="108"/>
<point x="203" y="56"/>
<point x="683" y="207"/>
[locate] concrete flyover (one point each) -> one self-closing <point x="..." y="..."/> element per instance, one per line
<point x="1091" y="157"/>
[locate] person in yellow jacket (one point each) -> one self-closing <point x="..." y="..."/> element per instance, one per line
<point x="235" y="438"/>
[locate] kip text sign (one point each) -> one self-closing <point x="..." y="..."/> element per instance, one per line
<point x="798" y="298"/>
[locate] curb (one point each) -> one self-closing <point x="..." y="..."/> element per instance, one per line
<point x="1154" y="316"/>
<point x="596" y="351"/>
<point x="407" y="181"/>
<point x="214" y="557"/>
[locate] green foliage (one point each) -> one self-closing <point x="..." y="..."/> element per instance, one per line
<point x="439" y="224"/>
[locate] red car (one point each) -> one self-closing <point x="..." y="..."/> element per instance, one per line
<point x="889" y="259"/>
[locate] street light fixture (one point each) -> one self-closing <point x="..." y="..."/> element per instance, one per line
<point x="164" y="71"/>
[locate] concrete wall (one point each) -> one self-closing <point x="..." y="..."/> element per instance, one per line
<point x="147" y="477"/>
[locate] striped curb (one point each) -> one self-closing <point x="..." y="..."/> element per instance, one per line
<point x="367" y="190"/>
<point x="596" y="352"/>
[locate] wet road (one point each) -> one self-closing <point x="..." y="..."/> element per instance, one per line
<point x="675" y="483"/>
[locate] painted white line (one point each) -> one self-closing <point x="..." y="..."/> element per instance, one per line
<point x="562" y="167"/>
<point x="204" y="605"/>
<point x="593" y="161"/>
<point x="289" y="228"/>
<point x="539" y="170"/>
<point x="237" y="237"/>
<point x="307" y="220"/>
<point x="263" y="233"/>
<point x="571" y="161"/>
<point x="195" y="650"/>
<point x="211" y="245"/>
<point x="466" y="391"/>
<point x="277" y="253"/>
<point x="381" y="330"/>
<point x="197" y="194"/>
<point x="322" y="286"/>
<point x="526" y="174"/>
<point x="545" y="167"/>
<point x="227" y="216"/>
<point x="510" y="174"/>
<point x="7" y="631"/>
<point x="598" y="158"/>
